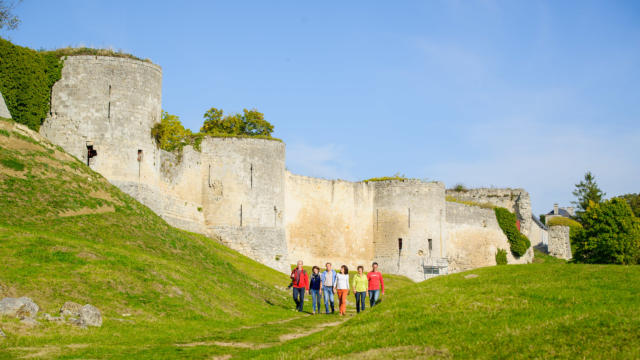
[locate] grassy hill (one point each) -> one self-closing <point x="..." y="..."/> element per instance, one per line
<point x="67" y="234"/>
<point x="546" y="310"/>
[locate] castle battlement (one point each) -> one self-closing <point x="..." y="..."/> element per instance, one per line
<point x="237" y="189"/>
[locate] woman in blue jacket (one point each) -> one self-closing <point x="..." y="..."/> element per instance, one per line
<point x="315" y="289"/>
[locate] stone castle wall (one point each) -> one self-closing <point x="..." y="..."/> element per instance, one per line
<point x="515" y="200"/>
<point x="538" y="235"/>
<point x="112" y="104"/>
<point x="237" y="189"/>
<point x="356" y="223"/>
<point x="329" y="221"/>
<point x="243" y="196"/>
<point x="474" y="237"/>
<point x="410" y="212"/>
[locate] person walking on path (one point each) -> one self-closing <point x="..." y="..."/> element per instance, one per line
<point x="342" y="286"/>
<point x="315" y="289"/>
<point x="360" y="285"/>
<point x="300" y="282"/>
<point x="376" y="284"/>
<point x="328" y="278"/>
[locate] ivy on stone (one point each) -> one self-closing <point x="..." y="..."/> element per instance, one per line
<point x="518" y="242"/>
<point x="26" y="78"/>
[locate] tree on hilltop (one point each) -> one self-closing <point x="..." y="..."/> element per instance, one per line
<point x="586" y="192"/>
<point x="250" y="122"/>
<point x="8" y="20"/>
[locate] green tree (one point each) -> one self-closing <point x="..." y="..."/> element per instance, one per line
<point x="7" y="19"/>
<point x="250" y="123"/>
<point x="610" y="234"/>
<point x="586" y="192"/>
<point x="255" y="124"/>
<point x="634" y="201"/>
<point x="170" y="134"/>
<point x="216" y="123"/>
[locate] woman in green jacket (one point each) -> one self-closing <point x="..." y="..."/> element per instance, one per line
<point x="360" y="284"/>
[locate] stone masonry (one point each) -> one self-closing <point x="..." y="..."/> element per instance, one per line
<point x="237" y="189"/>
<point x="4" y="112"/>
<point x="559" y="243"/>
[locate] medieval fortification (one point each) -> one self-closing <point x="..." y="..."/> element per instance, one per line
<point x="237" y="189"/>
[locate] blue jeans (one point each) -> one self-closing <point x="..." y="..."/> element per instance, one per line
<point x="315" y="299"/>
<point x="374" y="295"/>
<point x="328" y="298"/>
<point x="360" y="295"/>
<point x="298" y="297"/>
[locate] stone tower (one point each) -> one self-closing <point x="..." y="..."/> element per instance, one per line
<point x="109" y="104"/>
<point x="243" y="196"/>
<point x="102" y="111"/>
<point x="409" y="225"/>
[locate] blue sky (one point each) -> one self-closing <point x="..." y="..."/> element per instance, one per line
<point x="486" y="93"/>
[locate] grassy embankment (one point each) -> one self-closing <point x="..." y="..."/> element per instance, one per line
<point x="545" y="310"/>
<point x="66" y="234"/>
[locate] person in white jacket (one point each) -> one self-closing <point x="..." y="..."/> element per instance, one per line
<point x="342" y="287"/>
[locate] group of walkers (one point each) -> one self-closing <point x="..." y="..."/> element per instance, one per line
<point x="330" y="283"/>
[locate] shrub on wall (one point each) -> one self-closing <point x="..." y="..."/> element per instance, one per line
<point x="563" y="221"/>
<point x="170" y="134"/>
<point x="250" y="123"/>
<point x="517" y="241"/>
<point x="501" y="257"/>
<point x="26" y="78"/>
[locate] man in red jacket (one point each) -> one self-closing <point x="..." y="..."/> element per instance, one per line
<point x="300" y="282"/>
<point x="376" y="284"/>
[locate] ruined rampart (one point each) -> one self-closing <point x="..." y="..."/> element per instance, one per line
<point x="237" y="189"/>
<point x="474" y="237"/>
<point x="329" y="220"/>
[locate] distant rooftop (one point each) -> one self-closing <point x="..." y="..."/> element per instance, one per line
<point x="560" y="211"/>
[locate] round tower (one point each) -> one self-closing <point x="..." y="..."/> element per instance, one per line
<point x="243" y="196"/>
<point x="102" y="112"/>
<point x="408" y="227"/>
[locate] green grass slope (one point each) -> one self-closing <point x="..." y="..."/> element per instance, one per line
<point x="548" y="310"/>
<point x="66" y="234"/>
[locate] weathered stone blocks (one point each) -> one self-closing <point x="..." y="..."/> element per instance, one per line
<point x="559" y="242"/>
<point x="237" y="189"/>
